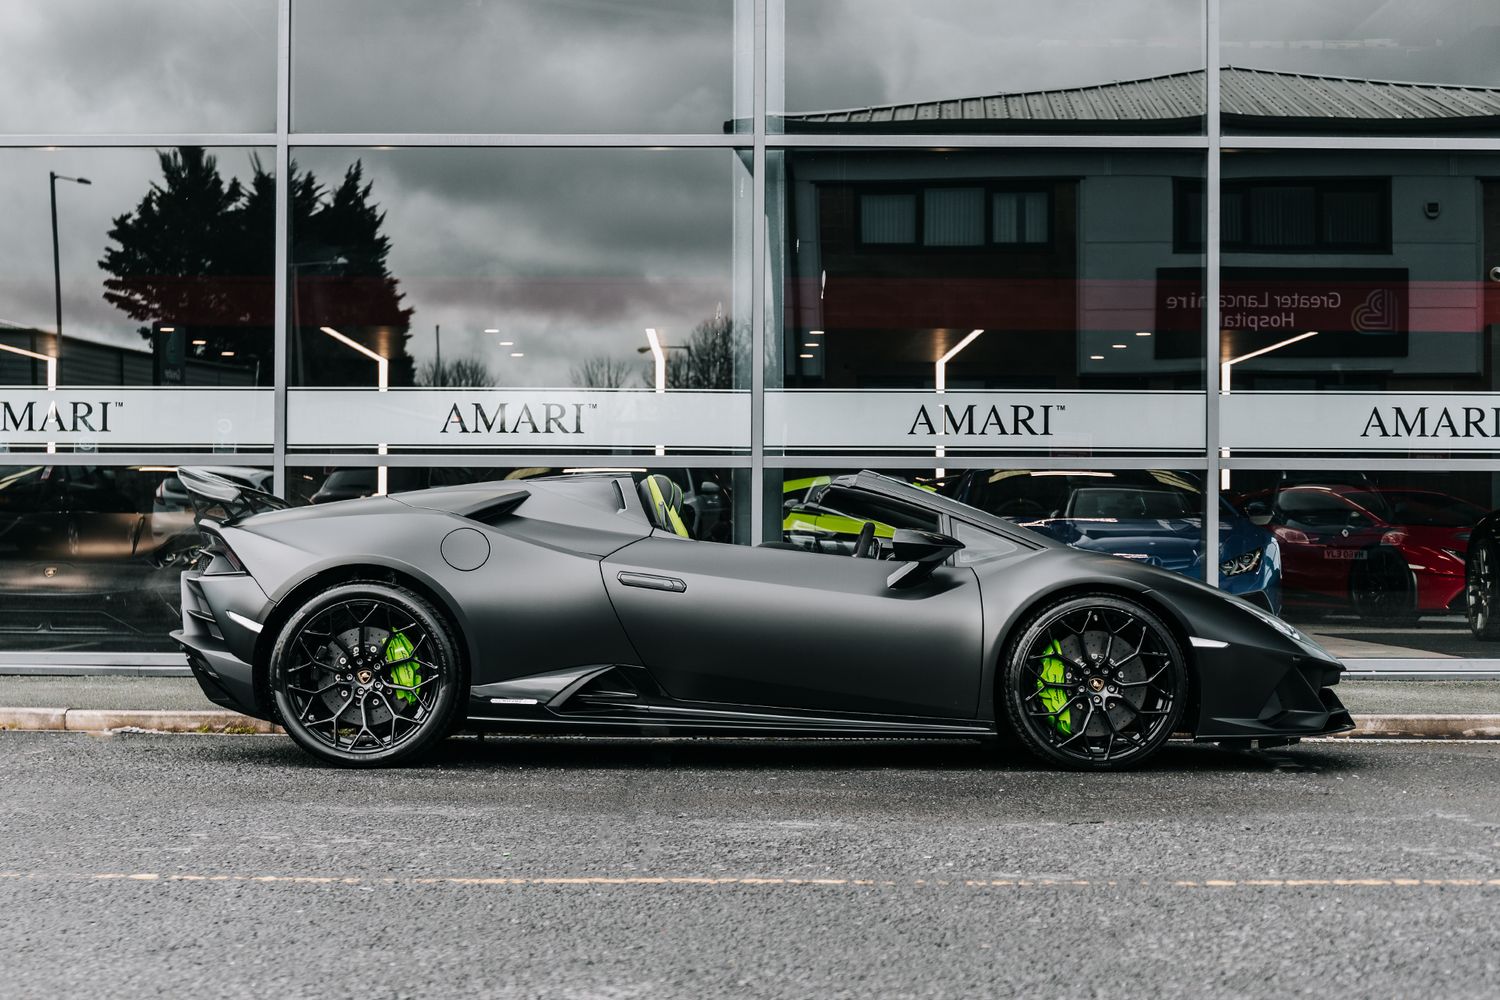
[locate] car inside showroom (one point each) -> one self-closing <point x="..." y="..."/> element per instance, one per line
<point x="1203" y="296"/>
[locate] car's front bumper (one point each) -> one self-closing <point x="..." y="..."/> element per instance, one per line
<point x="1266" y="695"/>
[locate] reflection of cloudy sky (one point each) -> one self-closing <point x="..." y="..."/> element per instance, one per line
<point x="569" y="253"/>
<point x="158" y="66"/>
<point x="854" y="53"/>
<point x="513" y="65"/>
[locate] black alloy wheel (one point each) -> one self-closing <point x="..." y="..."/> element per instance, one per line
<point x="1382" y="587"/>
<point x="1095" y="682"/>
<point x="1480" y="591"/>
<point x="367" y="674"/>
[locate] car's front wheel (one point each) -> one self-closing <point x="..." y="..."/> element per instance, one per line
<point x="1096" y="682"/>
<point x="367" y="674"/>
<point x="1481" y="596"/>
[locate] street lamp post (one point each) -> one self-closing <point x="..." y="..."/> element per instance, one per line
<point x="52" y="178"/>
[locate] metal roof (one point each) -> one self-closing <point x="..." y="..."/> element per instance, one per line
<point x="1250" y="99"/>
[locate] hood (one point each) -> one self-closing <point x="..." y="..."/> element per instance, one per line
<point x="1173" y="544"/>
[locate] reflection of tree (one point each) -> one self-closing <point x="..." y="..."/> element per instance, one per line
<point x="341" y="280"/>
<point x="601" y="372"/>
<point x="462" y="373"/>
<point x="711" y="358"/>
<point x="198" y="254"/>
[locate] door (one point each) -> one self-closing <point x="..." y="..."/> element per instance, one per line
<point x="786" y="628"/>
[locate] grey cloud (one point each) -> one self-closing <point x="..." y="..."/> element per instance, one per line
<point x="404" y="65"/>
<point x="165" y="66"/>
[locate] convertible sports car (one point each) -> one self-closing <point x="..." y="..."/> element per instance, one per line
<point x="371" y="629"/>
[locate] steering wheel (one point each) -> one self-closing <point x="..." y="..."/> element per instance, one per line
<point x="866" y="540"/>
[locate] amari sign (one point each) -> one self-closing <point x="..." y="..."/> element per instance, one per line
<point x="518" y="418"/>
<point x="155" y="419"/>
<point x="983" y="420"/>
<point x="1353" y="421"/>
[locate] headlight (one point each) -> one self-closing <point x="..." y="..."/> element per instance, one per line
<point x="1246" y="562"/>
<point x="1276" y="623"/>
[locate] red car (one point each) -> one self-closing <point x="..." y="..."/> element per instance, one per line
<point x="1390" y="554"/>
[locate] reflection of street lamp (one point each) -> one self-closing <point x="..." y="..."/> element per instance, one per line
<point x="658" y="351"/>
<point x="940" y="379"/>
<point x="382" y="383"/>
<point x="52" y="179"/>
<point x="659" y="355"/>
<point x="51" y="375"/>
<point x="1224" y="375"/>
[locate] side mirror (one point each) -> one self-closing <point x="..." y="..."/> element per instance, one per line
<point x="920" y="553"/>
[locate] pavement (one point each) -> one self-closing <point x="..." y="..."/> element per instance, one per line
<point x="141" y="865"/>
<point x="1382" y="708"/>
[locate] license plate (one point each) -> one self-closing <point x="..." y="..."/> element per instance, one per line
<point x="1345" y="554"/>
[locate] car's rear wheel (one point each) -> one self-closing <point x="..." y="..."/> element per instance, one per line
<point x="1481" y="596"/>
<point x="1095" y="682"/>
<point x="367" y="674"/>
<point x="1382" y="587"/>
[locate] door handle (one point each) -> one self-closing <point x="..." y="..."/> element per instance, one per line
<point x="649" y="581"/>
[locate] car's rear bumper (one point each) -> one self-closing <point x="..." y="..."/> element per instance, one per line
<point x="220" y="616"/>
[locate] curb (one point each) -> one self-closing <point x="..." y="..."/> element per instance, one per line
<point x="1424" y="727"/>
<point x="102" y="720"/>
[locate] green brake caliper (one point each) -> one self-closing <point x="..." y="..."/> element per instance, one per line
<point x="1055" y="699"/>
<point x="399" y="647"/>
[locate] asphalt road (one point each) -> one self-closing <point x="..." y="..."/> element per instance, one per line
<point x="137" y="865"/>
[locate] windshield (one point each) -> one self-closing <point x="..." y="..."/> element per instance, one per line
<point x="1423" y="509"/>
<point x="945" y="504"/>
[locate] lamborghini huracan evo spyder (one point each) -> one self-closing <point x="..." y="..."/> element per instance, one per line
<point x="371" y="629"/>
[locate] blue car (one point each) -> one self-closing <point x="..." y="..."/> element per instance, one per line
<point x="1153" y="516"/>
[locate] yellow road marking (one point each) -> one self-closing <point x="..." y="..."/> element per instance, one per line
<point x="758" y="880"/>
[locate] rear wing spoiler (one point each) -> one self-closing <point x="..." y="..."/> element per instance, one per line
<point x="222" y="500"/>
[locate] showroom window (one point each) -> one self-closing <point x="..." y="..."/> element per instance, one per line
<point x="999" y="250"/>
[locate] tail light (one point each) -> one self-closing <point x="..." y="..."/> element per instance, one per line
<point x="1291" y="535"/>
<point x="217" y="558"/>
<point x="1393" y="538"/>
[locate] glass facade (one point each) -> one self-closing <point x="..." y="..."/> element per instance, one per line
<point x="1082" y="265"/>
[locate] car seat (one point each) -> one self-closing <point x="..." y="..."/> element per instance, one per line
<point x="662" y="499"/>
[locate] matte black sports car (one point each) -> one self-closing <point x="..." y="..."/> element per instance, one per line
<point x="373" y="628"/>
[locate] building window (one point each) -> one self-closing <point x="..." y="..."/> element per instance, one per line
<point x="888" y="218"/>
<point x="1020" y="217"/>
<point x="951" y="216"/>
<point x="1291" y="215"/>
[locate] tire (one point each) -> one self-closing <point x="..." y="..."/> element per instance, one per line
<point x="1382" y="588"/>
<point x="359" y="657"/>
<point x="1480" y="594"/>
<point x="1104" y="657"/>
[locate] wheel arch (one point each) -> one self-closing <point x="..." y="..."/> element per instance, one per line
<point x="333" y="576"/>
<point x="1000" y="649"/>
